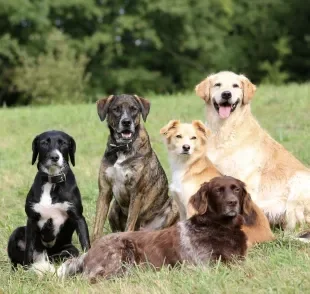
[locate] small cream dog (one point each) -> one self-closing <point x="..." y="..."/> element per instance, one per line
<point x="238" y="146"/>
<point x="186" y="144"/>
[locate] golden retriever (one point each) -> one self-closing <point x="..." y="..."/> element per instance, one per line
<point x="187" y="146"/>
<point x="238" y="146"/>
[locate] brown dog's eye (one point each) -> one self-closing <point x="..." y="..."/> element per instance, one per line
<point x="235" y="86"/>
<point x="132" y="108"/>
<point x="179" y="136"/>
<point x="193" y="138"/>
<point x="217" y="85"/>
<point x="237" y="190"/>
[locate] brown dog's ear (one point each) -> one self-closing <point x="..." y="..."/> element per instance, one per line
<point x="103" y="106"/>
<point x="145" y="106"/>
<point x="246" y="207"/>
<point x="199" y="201"/>
<point x="168" y="127"/>
<point x="248" y="89"/>
<point x="35" y="150"/>
<point x="200" y="127"/>
<point x="203" y="88"/>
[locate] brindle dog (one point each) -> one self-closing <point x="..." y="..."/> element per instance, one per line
<point x="131" y="171"/>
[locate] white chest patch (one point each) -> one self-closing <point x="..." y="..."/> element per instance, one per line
<point x="56" y="211"/>
<point x="119" y="175"/>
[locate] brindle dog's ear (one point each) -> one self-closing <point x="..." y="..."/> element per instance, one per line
<point x="171" y="125"/>
<point x="35" y="149"/>
<point x="72" y="149"/>
<point x="103" y="106"/>
<point x="145" y="106"/>
<point x="199" y="201"/>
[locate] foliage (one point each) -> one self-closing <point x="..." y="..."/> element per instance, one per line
<point x="159" y="46"/>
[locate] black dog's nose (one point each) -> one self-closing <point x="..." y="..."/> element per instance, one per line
<point x="126" y="122"/>
<point x="54" y="157"/>
<point x="232" y="202"/>
<point x="186" y="147"/>
<point x="226" y="95"/>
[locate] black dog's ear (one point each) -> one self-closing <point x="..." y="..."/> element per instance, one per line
<point x="103" y="106"/>
<point x="199" y="201"/>
<point x="72" y="149"/>
<point x="145" y="106"/>
<point x="35" y="149"/>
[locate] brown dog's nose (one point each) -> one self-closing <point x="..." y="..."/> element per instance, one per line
<point x="226" y="95"/>
<point x="232" y="202"/>
<point x="186" y="147"/>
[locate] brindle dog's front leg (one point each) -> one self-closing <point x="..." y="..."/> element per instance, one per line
<point x="134" y="211"/>
<point x="103" y="204"/>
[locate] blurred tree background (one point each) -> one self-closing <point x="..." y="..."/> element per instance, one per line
<point x="59" y="51"/>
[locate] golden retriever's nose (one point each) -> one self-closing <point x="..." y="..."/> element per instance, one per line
<point x="226" y="95"/>
<point x="186" y="147"/>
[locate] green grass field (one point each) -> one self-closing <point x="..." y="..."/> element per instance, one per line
<point x="282" y="266"/>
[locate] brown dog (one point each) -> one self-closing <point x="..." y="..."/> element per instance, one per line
<point x="214" y="233"/>
<point x="131" y="172"/>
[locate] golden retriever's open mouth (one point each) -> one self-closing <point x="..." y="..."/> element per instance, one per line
<point x="224" y="109"/>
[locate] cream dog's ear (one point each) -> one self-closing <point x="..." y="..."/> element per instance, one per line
<point x="165" y="131"/>
<point x="248" y="89"/>
<point x="203" y="88"/>
<point x="200" y="127"/>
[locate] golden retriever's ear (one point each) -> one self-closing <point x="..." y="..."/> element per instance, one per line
<point x="103" y="106"/>
<point x="200" y="127"/>
<point x="145" y="106"/>
<point x="248" y="89"/>
<point x="203" y="89"/>
<point x="199" y="201"/>
<point x="170" y="126"/>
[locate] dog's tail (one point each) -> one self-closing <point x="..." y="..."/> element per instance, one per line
<point x="71" y="267"/>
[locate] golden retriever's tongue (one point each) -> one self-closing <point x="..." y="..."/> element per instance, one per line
<point x="224" y="111"/>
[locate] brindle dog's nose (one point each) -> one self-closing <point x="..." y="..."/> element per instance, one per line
<point x="126" y="122"/>
<point x="226" y="95"/>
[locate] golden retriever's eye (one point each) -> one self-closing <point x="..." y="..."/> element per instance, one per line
<point x="193" y="138"/>
<point x="179" y="136"/>
<point x="235" y="86"/>
<point x="217" y="85"/>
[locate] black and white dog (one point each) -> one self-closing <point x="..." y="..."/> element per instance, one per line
<point x="53" y="207"/>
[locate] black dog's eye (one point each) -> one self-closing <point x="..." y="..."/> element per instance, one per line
<point x="179" y="136"/>
<point x="62" y="143"/>
<point x="235" y="86"/>
<point x="193" y="138"/>
<point x="44" y="143"/>
<point x="217" y="85"/>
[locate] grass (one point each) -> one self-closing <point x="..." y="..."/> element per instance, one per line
<point x="282" y="266"/>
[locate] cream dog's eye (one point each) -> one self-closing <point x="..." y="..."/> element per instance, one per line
<point x="193" y="138"/>
<point x="235" y="86"/>
<point x="179" y="136"/>
<point x="217" y="85"/>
